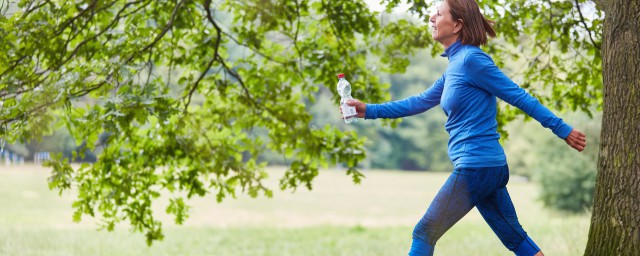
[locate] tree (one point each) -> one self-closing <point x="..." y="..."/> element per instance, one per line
<point x="181" y="87"/>
<point x="615" y="225"/>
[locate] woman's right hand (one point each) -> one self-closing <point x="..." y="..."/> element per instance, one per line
<point x="361" y="108"/>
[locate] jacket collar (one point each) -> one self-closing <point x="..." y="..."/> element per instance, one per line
<point x="452" y="50"/>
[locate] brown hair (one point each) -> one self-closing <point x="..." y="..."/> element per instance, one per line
<point x="475" y="27"/>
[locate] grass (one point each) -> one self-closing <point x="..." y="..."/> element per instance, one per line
<point x="335" y="218"/>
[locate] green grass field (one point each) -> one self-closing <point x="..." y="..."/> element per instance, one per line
<point x="335" y="218"/>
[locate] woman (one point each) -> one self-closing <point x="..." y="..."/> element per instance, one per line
<point x="467" y="92"/>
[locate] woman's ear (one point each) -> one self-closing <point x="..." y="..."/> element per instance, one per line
<point x="458" y="26"/>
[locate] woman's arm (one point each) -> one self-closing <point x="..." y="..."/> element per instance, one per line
<point x="483" y="73"/>
<point x="406" y="107"/>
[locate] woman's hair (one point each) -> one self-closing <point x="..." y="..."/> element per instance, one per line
<point x="475" y="27"/>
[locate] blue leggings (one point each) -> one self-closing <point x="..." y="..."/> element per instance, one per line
<point x="484" y="188"/>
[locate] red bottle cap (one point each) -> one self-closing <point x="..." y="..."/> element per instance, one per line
<point x="340" y="76"/>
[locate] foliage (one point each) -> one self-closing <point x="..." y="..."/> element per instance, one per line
<point x="181" y="109"/>
<point x="568" y="185"/>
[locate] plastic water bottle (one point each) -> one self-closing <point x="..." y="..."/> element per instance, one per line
<point x="349" y="113"/>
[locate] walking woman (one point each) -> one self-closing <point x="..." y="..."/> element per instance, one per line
<point x="467" y="92"/>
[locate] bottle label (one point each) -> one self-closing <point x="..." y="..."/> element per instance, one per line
<point x="348" y="111"/>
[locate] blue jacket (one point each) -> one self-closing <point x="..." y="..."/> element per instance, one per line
<point x="467" y="93"/>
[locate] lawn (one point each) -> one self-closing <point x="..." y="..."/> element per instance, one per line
<point x="335" y="218"/>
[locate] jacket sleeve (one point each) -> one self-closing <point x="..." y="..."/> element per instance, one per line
<point x="483" y="73"/>
<point x="408" y="106"/>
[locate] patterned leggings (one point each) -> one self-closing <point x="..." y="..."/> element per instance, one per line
<point x="484" y="188"/>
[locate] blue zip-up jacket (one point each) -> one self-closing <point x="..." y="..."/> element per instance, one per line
<point x="467" y="93"/>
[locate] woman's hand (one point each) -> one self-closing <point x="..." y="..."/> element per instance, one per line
<point x="577" y="140"/>
<point x="361" y="108"/>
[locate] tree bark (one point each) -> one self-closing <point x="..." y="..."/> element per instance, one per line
<point x="615" y="221"/>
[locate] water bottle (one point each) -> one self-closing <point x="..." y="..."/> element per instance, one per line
<point x="349" y="113"/>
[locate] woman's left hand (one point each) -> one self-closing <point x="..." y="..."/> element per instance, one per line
<point x="577" y="140"/>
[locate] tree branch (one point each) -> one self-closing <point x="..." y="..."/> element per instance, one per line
<point x="30" y="10"/>
<point x="162" y="33"/>
<point x="150" y="62"/>
<point x="74" y="35"/>
<point x="85" y="91"/>
<point x="111" y="24"/>
<point x="295" y="37"/>
<point x="74" y="18"/>
<point x="27" y="113"/>
<point x="253" y="49"/>
<point x="18" y="92"/>
<point x="334" y="30"/>
<point x="584" y="23"/>
<point x="243" y="44"/>
<point x="216" y="47"/>
<point x="229" y="70"/>
<point x="3" y="10"/>
<point x="17" y="62"/>
<point x="147" y="47"/>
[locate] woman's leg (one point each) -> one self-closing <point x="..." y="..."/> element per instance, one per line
<point x="498" y="210"/>
<point x="452" y="202"/>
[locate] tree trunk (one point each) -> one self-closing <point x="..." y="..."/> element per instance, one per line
<point x="615" y="221"/>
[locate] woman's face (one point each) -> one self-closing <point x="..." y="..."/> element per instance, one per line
<point x="444" y="28"/>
